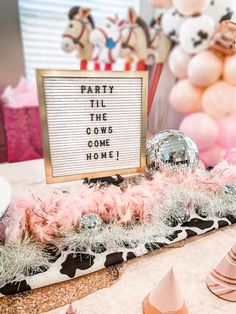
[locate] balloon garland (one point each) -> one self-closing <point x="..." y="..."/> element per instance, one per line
<point x="204" y="62"/>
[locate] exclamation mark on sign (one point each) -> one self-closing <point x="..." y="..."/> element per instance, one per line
<point x="117" y="155"/>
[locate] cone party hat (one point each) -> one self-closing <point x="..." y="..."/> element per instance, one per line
<point x="222" y="280"/>
<point x="166" y="297"/>
<point x="71" y="309"/>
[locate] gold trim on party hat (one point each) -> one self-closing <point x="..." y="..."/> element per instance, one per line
<point x="222" y="280"/>
<point x="166" y="297"/>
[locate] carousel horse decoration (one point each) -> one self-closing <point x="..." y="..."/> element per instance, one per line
<point x="135" y="39"/>
<point x="76" y="35"/>
<point x="158" y="50"/>
<point x="159" y="43"/>
<point x="106" y="41"/>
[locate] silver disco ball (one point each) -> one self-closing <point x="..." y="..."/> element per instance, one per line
<point x="91" y="223"/>
<point x="171" y="152"/>
<point x="182" y="215"/>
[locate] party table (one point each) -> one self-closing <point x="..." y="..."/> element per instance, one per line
<point x="192" y="260"/>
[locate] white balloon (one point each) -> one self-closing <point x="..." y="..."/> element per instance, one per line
<point x="5" y="195"/>
<point x="171" y="23"/>
<point x="221" y="10"/>
<point x="195" y="33"/>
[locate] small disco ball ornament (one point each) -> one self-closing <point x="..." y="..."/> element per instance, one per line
<point x="171" y="152"/>
<point x="220" y="214"/>
<point x="171" y="221"/>
<point x="182" y="215"/>
<point x="91" y="223"/>
<point x="229" y="189"/>
<point x="201" y="211"/>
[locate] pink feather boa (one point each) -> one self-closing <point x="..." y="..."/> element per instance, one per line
<point x="47" y="215"/>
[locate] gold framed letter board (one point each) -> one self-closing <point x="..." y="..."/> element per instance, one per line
<point x="94" y="123"/>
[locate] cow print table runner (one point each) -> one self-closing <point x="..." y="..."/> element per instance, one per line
<point x="71" y="265"/>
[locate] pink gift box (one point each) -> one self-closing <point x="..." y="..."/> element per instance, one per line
<point x="22" y="122"/>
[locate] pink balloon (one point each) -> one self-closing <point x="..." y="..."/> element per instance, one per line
<point x="219" y="100"/>
<point x="230" y="70"/>
<point x="205" y="69"/>
<point x="201" y="128"/>
<point x="213" y="155"/>
<point x="178" y="62"/>
<point x="185" y="97"/>
<point x="191" y="7"/>
<point x="227" y="132"/>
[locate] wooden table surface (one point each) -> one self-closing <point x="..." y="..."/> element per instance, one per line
<point x="192" y="262"/>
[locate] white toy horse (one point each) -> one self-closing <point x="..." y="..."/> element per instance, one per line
<point x="158" y="50"/>
<point x="135" y="39"/>
<point x="159" y="44"/>
<point x="106" y="40"/>
<point x="76" y="35"/>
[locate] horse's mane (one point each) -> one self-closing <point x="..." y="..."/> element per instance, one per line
<point x="144" y="27"/>
<point x="74" y="10"/>
<point x="152" y="22"/>
<point x="155" y="21"/>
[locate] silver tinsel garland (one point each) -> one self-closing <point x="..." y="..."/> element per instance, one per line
<point x="21" y="260"/>
<point x="114" y="236"/>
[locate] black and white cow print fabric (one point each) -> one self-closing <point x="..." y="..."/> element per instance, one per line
<point x="71" y="265"/>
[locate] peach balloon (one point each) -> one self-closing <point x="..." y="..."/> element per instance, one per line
<point x="219" y="100"/>
<point x="191" y="7"/>
<point x="201" y="128"/>
<point x="227" y="132"/>
<point x="205" y="69"/>
<point x="185" y="97"/>
<point x="178" y="62"/>
<point x="161" y="3"/>
<point x="230" y="70"/>
<point x="213" y="155"/>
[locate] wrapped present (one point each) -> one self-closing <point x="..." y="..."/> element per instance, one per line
<point x="22" y="122"/>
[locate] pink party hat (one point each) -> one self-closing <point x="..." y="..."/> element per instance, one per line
<point x="72" y="309"/>
<point x="166" y="297"/>
<point x="222" y="280"/>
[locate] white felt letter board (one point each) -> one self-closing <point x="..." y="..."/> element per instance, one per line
<point x="94" y="123"/>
